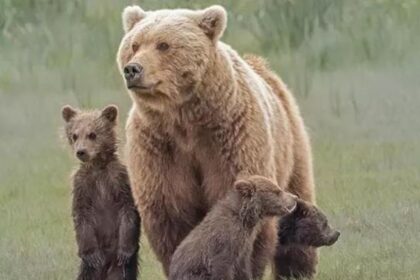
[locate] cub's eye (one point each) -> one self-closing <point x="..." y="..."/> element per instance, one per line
<point x="162" y="46"/>
<point x="74" y="137"/>
<point x="92" y="136"/>
<point x="135" y="47"/>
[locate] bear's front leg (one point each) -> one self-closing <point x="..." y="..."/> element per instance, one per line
<point x="165" y="191"/>
<point x="164" y="232"/>
<point x="83" y="218"/>
<point x="92" y="258"/>
<point x="86" y="272"/>
<point x="264" y="249"/>
<point x="129" y="233"/>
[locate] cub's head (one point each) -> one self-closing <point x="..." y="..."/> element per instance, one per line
<point x="265" y="197"/>
<point x="91" y="134"/>
<point x="307" y="225"/>
<point x="165" y="53"/>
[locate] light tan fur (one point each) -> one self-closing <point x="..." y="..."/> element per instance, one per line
<point x="207" y="118"/>
<point x="303" y="170"/>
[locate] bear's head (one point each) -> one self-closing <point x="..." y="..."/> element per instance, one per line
<point x="91" y="134"/>
<point x="307" y="225"/>
<point x="165" y="53"/>
<point x="264" y="198"/>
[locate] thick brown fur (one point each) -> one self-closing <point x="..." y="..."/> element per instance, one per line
<point x="220" y="246"/>
<point x="307" y="225"/>
<point x="202" y="118"/>
<point x="297" y="260"/>
<point x="106" y="221"/>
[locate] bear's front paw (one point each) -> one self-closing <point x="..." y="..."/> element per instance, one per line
<point x="95" y="259"/>
<point x="123" y="257"/>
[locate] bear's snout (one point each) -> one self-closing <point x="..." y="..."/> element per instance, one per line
<point x="333" y="238"/>
<point x="133" y="74"/>
<point x="82" y="155"/>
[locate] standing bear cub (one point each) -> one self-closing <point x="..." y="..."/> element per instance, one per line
<point x="106" y="221"/>
<point x="220" y="246"/>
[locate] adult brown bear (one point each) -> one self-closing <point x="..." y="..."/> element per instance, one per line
<point x="203" y="117"/>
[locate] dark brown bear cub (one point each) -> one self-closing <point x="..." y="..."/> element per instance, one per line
<point x="106" y="221"/>
<point x="306" y="226"/>
<point x="220" y="247"/>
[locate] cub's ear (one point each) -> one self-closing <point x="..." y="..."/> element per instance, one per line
<point x="213" y="21"/>
<point x="303" y="208"/>
<point x="110" y="113"/>
<point x="132" y="15"/>
<point x="68" y="113"/>
<point x="245" y="188"/>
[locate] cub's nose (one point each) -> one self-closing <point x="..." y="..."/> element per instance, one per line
<point x="132" y="73"/>
<point x="334" y="237"/>
<point x="81" y="154"/>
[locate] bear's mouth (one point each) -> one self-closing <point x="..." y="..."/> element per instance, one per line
<point x="142" y="89"/>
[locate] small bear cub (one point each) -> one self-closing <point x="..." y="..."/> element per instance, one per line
<point x="220" y="246"/>
<point x="307" y="225"/>
<point x="106" y="221"/>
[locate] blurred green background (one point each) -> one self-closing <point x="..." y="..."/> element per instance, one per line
<point x="354" y="66"/>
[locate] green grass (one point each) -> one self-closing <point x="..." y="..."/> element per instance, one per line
<point x="354" y="68"/>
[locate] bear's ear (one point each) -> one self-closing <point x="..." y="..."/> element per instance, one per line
<point x="132" y="15"/>
<point x="303" y="208"/>
<point x="213" y="21"/>
<point x="68" y="113"/>
<point x="110" y="113"/>
<point x="245" y="188"/>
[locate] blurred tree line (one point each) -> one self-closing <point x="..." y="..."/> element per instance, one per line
<point x="298" y="35"/>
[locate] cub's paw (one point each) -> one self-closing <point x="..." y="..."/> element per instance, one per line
<point x="123" y="257"/>
<point x="94" y="259"/>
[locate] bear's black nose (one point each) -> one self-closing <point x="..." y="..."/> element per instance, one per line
<point x="133" y="73"/>
<point x="81" y="154"/>
<point x="333" y="238"/>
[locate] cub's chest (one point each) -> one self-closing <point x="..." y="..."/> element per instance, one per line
<point x="104" y="198"/>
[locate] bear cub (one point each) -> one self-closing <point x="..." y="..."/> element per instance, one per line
<point x="106" y="221"/>
<point x="307" y="225"/>
<point x="220" y="246"/>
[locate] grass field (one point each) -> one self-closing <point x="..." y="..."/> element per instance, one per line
<point x="353" y="65"/>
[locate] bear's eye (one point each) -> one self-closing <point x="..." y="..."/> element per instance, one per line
<point x="74" y="137"/>
<point x="92" y="136"/>
<point x="135" y="47"/>
<point x="162" y="46"/>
